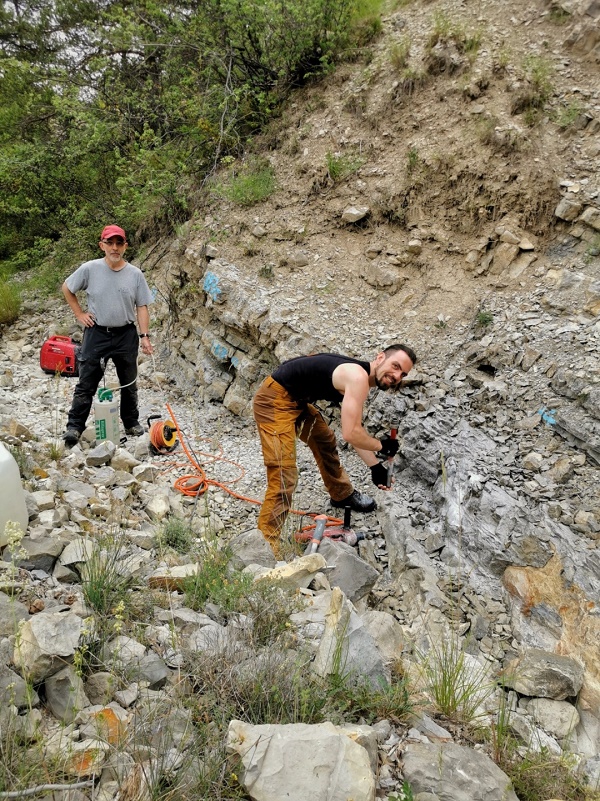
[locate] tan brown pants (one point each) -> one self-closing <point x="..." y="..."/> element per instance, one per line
<point x="280" y="419"/>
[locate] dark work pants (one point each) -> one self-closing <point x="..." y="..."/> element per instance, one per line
<point x="121" y="345"/>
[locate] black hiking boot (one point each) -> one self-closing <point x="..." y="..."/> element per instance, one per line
<point x="358" y="501"/>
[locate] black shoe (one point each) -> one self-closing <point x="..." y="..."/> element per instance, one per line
<point x="135" y="431"/>
<point x="71" y="437"/>
<point x="358" y="501"/>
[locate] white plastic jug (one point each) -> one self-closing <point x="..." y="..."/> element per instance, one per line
<point x="106" y="413"/>
<point x="12" y="496"/>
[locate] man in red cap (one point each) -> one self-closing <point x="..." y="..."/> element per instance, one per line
<point x="117" y="298"/>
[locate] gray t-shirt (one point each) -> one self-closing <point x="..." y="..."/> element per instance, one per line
<point x="112" y="295"/>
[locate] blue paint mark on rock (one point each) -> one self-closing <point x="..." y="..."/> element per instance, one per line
<point x="548" y="416"/>
<point x="211" y="285"/>
<point x="219" y="351"/>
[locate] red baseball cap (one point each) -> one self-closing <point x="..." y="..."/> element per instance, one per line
<point x="113" y="230"/>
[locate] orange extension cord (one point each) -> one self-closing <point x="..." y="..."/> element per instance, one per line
<point x="197" y="483"/>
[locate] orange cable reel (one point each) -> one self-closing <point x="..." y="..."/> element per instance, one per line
<point x="163" y="434"/>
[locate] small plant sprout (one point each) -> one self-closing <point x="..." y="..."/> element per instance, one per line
<point x="266" y="271"/>
<point x="484" y="319"/>
<point x="412" y="158"/>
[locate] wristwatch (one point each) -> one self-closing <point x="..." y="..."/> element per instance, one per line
<point x="144" y="335"/>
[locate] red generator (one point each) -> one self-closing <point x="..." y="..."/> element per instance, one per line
<point x="59" y="355"/>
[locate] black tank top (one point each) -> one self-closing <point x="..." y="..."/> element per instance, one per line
<point x="308" y="378"/>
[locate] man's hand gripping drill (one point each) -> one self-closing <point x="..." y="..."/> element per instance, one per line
<point x="381" y="473"/>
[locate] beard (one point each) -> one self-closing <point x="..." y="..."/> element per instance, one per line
<point x="379" y="383"/>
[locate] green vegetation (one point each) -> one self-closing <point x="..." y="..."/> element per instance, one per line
<point x="593" y="250"/>
<point x="341" y="166"/>
<point x="130" y="124"/>
<point x="484" y="319"/>
<point x="444" y="30"/>
<point x="266" y="271"/>
<point x="537" y="775"/>
<point x="104" y="581"/>
<point x="10" y="303"/>
<point x="558" y="15"/>
<point x="505" y="140"/>
<point x="254" y="183"/>
<point x="406" y="793"/>
<point x="568" y="115"/>
<point x="400" y="53"/>
<point x="533" y="98"/>
<point x="177" y="534"/>
<point x="412" y="159"/>
<point x="456" y="683"/>
<point x="213" y="580"/>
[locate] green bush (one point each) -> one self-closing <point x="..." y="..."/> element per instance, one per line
<point x="214" y="581"/>
<point x="135" y="138"/>
<point x="456" y="685"/>
<point x="400" y="53"/>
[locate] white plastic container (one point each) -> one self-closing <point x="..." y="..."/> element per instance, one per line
<point x="106" y="414"/>
<point x="12" y="496"/>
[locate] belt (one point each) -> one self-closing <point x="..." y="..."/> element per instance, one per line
<point x="113" y="329"/>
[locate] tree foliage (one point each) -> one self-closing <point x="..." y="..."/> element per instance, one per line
<point x="120" y="109"/>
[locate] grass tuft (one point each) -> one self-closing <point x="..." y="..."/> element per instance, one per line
<point x="340" y="166"/>
<point x="254" y="183"/>
<point x="10" y="303"/>
<point x="456" y="682"/>
<point x="104" y="583"/>
<point x="177" y="534"/>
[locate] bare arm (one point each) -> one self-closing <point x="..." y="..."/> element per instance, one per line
<point x="85" y="318"/>
<point x="143" y="318"/>
<point x="353" y="382"/>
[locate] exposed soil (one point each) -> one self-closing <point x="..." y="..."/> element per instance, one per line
<point x="444" y="159"/>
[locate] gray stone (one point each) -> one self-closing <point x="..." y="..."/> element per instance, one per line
<point x="100" y="687"/>
<point x="65" y="694"/>
<point x="568" y="209"/>
<point x="11" y="613"/>
<point x="250" y="547"/>
<point x="153" y="670"/>
<point x="333" y="765"/>
<point x="455" y="773"/>
<point x="350" y="573"/>
<point x="546" y="675"/>
<point x="558" y="718"/>
<point x="123" y="652"/>
<point x="591" y="216"/>
<point x="14" y="691"/>
<point x="46" y="642"/>
<point x="354" y="214"/>
<point x="346" y="645"/>
<point x="387" y="633"/>
<point x="101" y="454"/>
